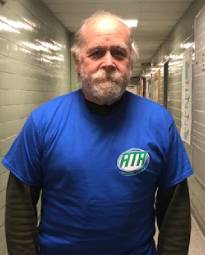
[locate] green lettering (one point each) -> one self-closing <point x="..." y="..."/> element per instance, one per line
<point x="141" y="158"/>
<point x="125" y="160"/>
<point x="133" y="158"/>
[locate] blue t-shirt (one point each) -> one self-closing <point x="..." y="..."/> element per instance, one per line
<point x="98" y="173"/>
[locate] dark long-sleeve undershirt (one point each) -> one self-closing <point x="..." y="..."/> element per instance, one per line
<point x="21" y="218"/>
<point x="174" y="220"/>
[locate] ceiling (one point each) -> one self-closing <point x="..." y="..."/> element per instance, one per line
<point x="156" y="19"/>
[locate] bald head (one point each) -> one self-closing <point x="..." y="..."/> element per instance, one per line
<point x="101" y="22"/>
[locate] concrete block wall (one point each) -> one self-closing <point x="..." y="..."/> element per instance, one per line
<point x="183" y="33"/>
<point x="161" y="88"/>
<point x="34" y="67"/>
<point x="74" y="80"/>
<point x="174" y="90"/>
<point x="198" y="120"/>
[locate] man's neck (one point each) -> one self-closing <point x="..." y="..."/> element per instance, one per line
<point x="102" y="109"/>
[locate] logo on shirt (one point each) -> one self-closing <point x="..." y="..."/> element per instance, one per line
<point x="133" y="161"/>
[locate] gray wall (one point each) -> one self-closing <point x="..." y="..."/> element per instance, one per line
<point x="198" y="119"/>
<point x="34" y="66"/>
<point x="184" y="32"/>
<point x="174" y="91"/>
<point x="161" y="88"/>
<point x="75" y="82"/>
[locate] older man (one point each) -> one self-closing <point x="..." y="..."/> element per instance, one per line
<point x="99" y="155"/>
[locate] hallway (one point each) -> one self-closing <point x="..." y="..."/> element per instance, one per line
<point x="36" y="37"/>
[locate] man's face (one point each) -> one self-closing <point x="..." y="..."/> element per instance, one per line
<point x="104" y="62"/>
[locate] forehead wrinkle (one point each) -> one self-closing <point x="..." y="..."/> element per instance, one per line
<point x="120" y="45"/>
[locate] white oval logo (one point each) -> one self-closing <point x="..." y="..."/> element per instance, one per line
<point x="133" y="161"/>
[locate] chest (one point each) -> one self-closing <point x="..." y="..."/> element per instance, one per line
<point x="122" y="159"/>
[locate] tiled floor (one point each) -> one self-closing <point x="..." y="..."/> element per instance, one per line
<point x="197" y="243"/>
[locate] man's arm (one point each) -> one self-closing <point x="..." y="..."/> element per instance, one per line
<point x="173" y="219"/>
<point x="21" y="218"/>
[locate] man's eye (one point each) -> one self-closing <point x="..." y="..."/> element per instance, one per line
<point x="119" y="53"/>
<point x="97" y="53"/>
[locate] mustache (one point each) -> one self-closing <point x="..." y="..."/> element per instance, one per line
<point x="105" y="75"/>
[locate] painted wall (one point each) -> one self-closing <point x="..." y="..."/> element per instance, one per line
<point x="172" y="50"/>
<point x="75" y="82"/>
<point x="198" y="119"/>
<point x="34" y="67"/>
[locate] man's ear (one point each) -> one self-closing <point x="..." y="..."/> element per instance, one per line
<point x="77" y="66"/>
<point x="77" y="63"/>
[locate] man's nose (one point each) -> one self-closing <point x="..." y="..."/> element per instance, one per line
<point x="108" y="61"/>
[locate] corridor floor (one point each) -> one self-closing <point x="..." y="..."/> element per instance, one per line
<point x="197" y="243"/>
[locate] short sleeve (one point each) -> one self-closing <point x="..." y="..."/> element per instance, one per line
<point x="178" y="166"/>
<point x="23" y="159"/>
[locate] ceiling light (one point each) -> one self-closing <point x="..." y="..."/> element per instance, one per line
<point x="131" y="22"/>
<point x="187" y="45"/>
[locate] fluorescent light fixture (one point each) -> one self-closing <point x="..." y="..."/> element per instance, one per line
<point x="187" y="45"/>
<point x="131" y="22"/>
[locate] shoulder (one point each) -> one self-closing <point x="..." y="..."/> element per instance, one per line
<point x="58" y="105"/>
<point x="144" y="102"/>
<point x="150" y="110"/>
<point x="53" y="111"/>
<point x="57" y="102"/>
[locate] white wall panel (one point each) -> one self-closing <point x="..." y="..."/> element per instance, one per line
<point x="34" y="67"/>
<point x="198" y="135"/>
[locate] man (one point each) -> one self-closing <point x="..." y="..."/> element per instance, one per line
<point x="99" y="155"/>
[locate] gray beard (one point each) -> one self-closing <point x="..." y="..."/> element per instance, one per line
<point x="104" y="87"/>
